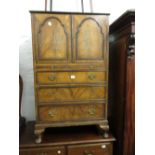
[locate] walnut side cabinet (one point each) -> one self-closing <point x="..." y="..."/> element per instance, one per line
<point x="83" y="140"/>
<point x="70" y="55"/>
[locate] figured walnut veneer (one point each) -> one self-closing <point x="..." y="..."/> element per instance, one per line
<point x="70" y="53"/>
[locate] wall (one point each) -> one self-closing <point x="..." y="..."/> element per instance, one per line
<point x="25" y="45"/>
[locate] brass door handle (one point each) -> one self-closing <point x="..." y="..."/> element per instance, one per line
<point x="52" y="77"/>
<point x="91" y="76"/>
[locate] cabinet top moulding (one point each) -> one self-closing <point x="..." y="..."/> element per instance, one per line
<point x="61" y="12"/>
<point x="124" y="19"/>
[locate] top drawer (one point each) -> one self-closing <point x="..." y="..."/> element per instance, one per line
<point x="70" y="77"/>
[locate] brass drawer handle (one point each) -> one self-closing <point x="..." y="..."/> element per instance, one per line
<point x="42" y="154"/>
<point x="91" y="76"/>
<point x="92" y="111"/>
<point x="91" y="67"/>
<point x="51" y="114"/>
<point x="52" y="77"/>
<point x="88" y="153"/>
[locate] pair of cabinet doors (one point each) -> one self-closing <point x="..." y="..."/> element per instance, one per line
<point x="69" y="38"/>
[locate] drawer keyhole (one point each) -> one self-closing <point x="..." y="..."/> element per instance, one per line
<point x="103" y="146"/>
<point x="59" y="152"/>
<point x="73" y="77"/>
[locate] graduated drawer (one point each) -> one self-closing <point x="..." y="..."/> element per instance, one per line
<point x="56" y="94"/>
<point x="43" y="151"/>
<point x="79" y="112"/>
<point x="70" y="77"/>
<point x="90" y="149"/>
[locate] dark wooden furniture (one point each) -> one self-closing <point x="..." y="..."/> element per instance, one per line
<point x="70" y="53"/>
<point x="122" y="83"/>
<point x="66" y="141"/>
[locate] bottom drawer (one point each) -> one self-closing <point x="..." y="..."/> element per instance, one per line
<point x="43" y="151"/>
<point x="72" y="112"/>
<point x="91" y="149"/>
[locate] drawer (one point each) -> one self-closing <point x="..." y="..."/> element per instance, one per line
<point x="70" y="77"/>
<point x="59" y="94"/>
<point x="79" y="112"/>
<point x="76" y="67"/>
<point x="43" y="151"/>
<point x="91" y="149"/>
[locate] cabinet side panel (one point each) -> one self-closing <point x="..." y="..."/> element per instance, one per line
<point x="129" y="127"/>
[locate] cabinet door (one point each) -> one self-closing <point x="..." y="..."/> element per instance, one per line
<point x="51" y="37"/>
<point x="90" y="37"/>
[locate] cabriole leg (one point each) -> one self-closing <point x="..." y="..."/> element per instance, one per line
<point x="38" y="132"/>
<point x="104" y="129"/>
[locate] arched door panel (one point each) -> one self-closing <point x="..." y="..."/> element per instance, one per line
<point x="89" y="38"/>
<point x="52" y="38"/>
